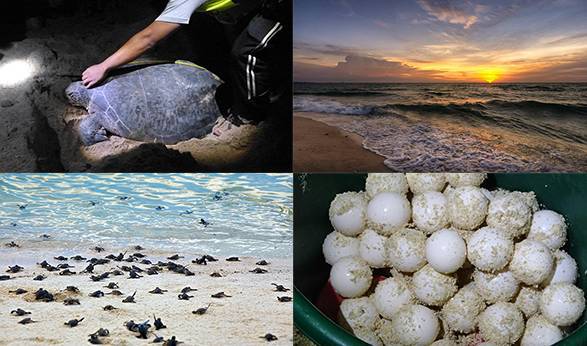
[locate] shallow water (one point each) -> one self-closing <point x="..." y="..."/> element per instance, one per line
<point x="248" y="214"/>
<point x="474" y="127"/>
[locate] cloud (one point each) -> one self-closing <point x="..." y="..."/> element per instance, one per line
<point x="444" y="11"/>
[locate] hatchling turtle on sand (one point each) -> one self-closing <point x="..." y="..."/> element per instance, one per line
<point x="164" y="103"/>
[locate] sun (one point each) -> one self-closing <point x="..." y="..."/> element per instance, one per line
<point x="490" y="74"/>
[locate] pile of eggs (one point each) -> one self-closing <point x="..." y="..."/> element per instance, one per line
<point x="461" y="264"/>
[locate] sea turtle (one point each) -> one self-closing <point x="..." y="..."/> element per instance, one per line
<point x="164" y="103"/>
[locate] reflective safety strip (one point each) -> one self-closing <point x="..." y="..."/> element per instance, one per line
<point x="216" y="5"/>
<point x="251" y="60"/>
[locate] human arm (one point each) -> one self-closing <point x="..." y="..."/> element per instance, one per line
<point x="133" y="48"/>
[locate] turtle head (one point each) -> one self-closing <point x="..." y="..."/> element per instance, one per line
<point x="77" y="94"/>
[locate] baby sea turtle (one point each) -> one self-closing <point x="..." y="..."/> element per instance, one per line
<point x="188" y="272"/>
<point x="152" y="271"/>
<point x="116" y="293"/>
<point x="186" y="212"/>
<point x="117" y="272"/>
<point x="39" y="277"/>
<point x="99" y="277"/>
<point x="280" y="288"/>
<point x="14" y="269"/>
<point x="188" y="289"/>
<point x="67" y="272"/>
<point x="112" y="285"/>
<point x="174" y="257"/>
<point x="98" y="249"/>
<point x="74" y="322"/>
<point x="172" y="342"/>
<point x="233" y="259"/>
<point x="4" y="277"/>
<point x="134" y="275"/>
<point x="158" y="339"/>
<point x="19" y="312"/>
<point x="94" y="339"/>
<point x="143" y="329"/>
<point x="101" y="332"/>
<point x="43" y="295"/>
<point x="71" y="301"/>
<point x="89" y="269"/>
<point x="269" y="337"/>
<point x="284" y="299"/>
<point x="138" y="248"/>
<point x="184" y="296"/>
<point x="131" y="325"/>
<point x="78" y="258"/>
<point x="130" y="299"/>
<point x="210" y="258"/>
<point x="51" y="268"/>
<point x="159" y="207"/>
<point x="201" y="311"/>
<point x="158" y="324"/>
<point x="64" y="266"/>
<point x="72" y="289"/>
<point x="157" y="290"/>
<point x="220" y="295"/>
<point x="262" y="263"/>
<point x="45" y="236"/>
<point x="138" y="255"/>
<point x="216" y="275"/>
<point x="12" y="244"/>
<point x="258" y="271"/>
<point x="60" y="258"/>
<point x="204" y="222"/>
<point x="123" y="198"/>
<point x="146" y="261"/>
<point x="43" y="264"/>
<point x="200" y="261"/>
<point x="97" y="294"/>
<point x="26" y="320"/>
<point x="109" y="308"/>
<point x="18" y="291"/>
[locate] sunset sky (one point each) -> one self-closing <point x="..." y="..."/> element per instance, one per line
<point x="440" y="40"/>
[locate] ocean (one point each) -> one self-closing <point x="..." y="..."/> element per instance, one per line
<point x="218" y="214"/>
<point x="459" y="127"/>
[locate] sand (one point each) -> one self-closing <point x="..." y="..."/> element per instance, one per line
<point x="319" y="147"/>
<point x="251" y="312"/>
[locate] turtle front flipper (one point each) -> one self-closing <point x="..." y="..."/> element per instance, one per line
<point x="91" y="130"/>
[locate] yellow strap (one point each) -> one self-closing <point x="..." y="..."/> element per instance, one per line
<point x="188" y="63"/>
<point x="216" y="5"/>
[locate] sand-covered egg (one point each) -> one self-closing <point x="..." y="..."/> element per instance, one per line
<point x="465" y="179"/>
<point x="415" y="325"/>
<point x="489" y="249"/>
<point x="359" y="313"/>
<point x="528" y="300"/>
<point x="444" y="342"/>
<point x="347" y="212"/>
<point x="548" y="227"/>
<point x="540" y="332"/>
<point x="510" y="213"/>
<point x="562" y="304"/>
<point x="446" y="251"/>
<point x="429" y="211"/>
<point x="390" y="295"/>
<point x="372" y="248"/>
<point x="496" y="287"/>
<point x="388" y="211"/>
<point x="501" y="323"/>
<point x="423" y="182"/>
<point x="385" y="182"/>
<point x="337" y="245"/>
<point x="565" y="268"/>
<point x="467" y="207"/>
<point x="532" y="262"/>
<point x="406" y="250"/>
<point x="461" y="311"/>
<point x="351" y="277"/>
<point x="433" y="288"/>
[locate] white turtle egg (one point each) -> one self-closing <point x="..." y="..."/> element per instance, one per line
<point x="351" y="277"/>
<point x="433" y="288"/>
<point x="359" y="313"/>
<point x="550" y="228"/>
<point x="388" y="211"/>
<point x="372" y="248"/>
<point x="528" y="300"/>
<point x="532" y="262"/>
<point x="429" y="211"/>
<point x="467" y="207"/>
<point x="461" y="311"/>
<point x="405" y="250"/>
<point x="540" y="332"/>
<point x="562" y="304"/>
<point x="446" y="251"/>
<point x="337" y="246"/>
<point x="465" y="179"/>
<point x="390" y="295"/>
<point x="385" y="182"/>
<point x="498" y="287"/>
<point x="501" y="323"/>
<point x="444" y="342"/>
<point x="423" y="182"/>
<point x="565" y="269"/>
<point x="347" y="212"/>
<point x="385" y="332"/>
<point x="368" y="335"/>
<point x="489" y="249"/>
<point x="509" y="213"/>
<point x="415" y="325"/>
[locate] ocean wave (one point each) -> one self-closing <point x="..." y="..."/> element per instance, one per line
<point x="343" y="93"/>
<point x="302" y="104"/>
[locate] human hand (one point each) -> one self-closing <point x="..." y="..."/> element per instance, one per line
<point x="93" y="75"/>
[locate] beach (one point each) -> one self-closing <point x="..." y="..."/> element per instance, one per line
<point x="319" y="147"/>
<point x="251" y="312"/>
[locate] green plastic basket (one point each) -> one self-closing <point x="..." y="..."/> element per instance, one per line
<point x="563" y="193"/>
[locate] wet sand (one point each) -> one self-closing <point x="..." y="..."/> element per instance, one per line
<point x="319" y="147"/>
<point x="251" y="312"/>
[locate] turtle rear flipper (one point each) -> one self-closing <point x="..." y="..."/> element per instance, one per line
<point x="91" y="130"/>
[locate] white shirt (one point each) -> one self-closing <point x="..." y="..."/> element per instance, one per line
<point x="179" y="11"/>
